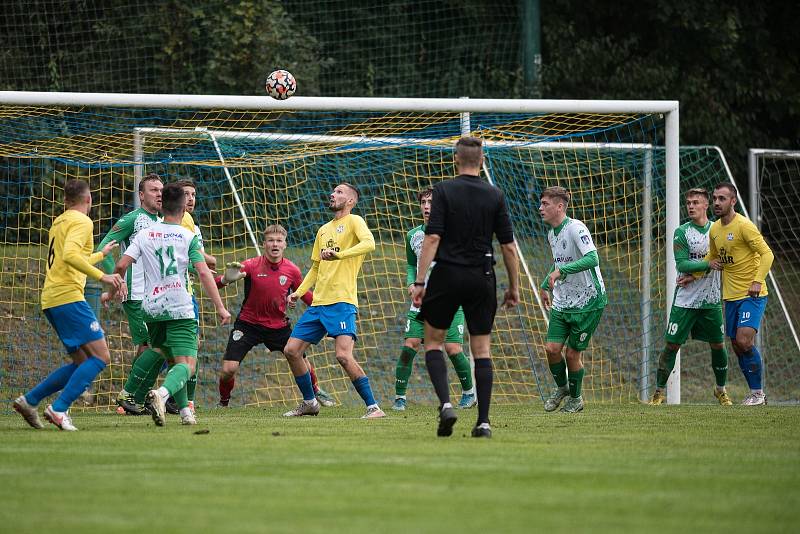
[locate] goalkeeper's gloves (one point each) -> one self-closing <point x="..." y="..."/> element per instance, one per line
<point x="232" y="272"/>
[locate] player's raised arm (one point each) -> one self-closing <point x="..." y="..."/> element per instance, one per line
<point x="233" y="271"/>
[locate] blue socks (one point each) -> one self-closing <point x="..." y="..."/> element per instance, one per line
<point x="80" y="380"/>
<point x="306" y="388"/>
<point x="750" y="364"/>
<point x="55" y="381"/>
<point x="362" y="386"/>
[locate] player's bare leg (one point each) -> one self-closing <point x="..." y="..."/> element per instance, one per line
<point x="344" y="355"/>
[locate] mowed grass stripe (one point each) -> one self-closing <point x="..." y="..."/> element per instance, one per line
<point x="612" y="468"/>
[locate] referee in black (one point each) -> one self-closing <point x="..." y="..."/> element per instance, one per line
<point x="465" y="213"/>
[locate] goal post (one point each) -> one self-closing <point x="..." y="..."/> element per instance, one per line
<point x="258" y="161"/>
<point x="774" y="194"/>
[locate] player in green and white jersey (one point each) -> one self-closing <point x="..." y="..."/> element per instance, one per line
<point x="579" y="298"/>
<point x="123" y="232"/>
<point x="415" y="327"/>
<point x="165" y="251"/>
<point x="697" y="307"/>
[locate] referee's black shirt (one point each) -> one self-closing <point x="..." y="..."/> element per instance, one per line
<point x="465" y="212"/>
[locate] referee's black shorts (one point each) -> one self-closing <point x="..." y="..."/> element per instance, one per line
<point x="451" y="286"/>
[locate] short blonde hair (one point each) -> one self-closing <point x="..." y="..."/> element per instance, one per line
<point x="557" y="192"/>
<point x="698" y="192"/>
<point x="275" y="229"/>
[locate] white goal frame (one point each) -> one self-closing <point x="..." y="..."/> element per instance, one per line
<point x="668" y="108"/>
<point x="753" y="157"/>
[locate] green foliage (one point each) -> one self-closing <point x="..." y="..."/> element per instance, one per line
<point x="223" y="47"/>
<point x="732" y="65"/>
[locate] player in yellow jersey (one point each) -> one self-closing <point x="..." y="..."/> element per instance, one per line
<point x="69" y="262"/>
<point x="336" y="258"/>
<point x="737" y="248"/>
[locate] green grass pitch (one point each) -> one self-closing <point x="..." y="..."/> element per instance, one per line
<point x="613" y="468"/>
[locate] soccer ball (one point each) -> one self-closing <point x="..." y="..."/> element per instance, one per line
<point x="281" y="84"/>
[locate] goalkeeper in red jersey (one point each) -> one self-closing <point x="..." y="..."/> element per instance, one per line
<point x="262" y="319"/>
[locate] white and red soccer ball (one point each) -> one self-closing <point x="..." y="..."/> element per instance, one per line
<point x="281" y="84"/>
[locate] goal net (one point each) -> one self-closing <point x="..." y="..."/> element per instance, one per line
<point x="256" y="167"/>
<point x="774" y="188"/>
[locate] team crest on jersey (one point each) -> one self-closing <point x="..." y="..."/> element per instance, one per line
<point x="237" y="335"/>
<point x="340" y="229"/>
<point x="564" y="245"/>
<point x="730" y="236"/>
<point x="282" y="280"/>
<point x="95" y="326"/>
<point x="585" y="239"/>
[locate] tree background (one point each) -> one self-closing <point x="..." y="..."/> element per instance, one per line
<point x="733" y="65"/>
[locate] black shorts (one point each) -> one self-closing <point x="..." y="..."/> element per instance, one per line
<point x="245" y="336"/>
<point x="451" y="286"/>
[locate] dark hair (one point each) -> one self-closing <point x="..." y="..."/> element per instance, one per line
<point x="152" y="177"/>
<point x="469" y="151"/>
<point x="186" y="183"/>
<point x="352" y="188"/>
<point x="729" y="186"/>
<point x="698" y="191"/>
<point x="427" y="192"/>
<point x="173" y="199"/>
<point x="557" y="192"/>
<point x="74" y="191"/>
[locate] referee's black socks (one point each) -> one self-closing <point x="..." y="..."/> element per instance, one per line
<point x="437" y="370"/>
<point x="484" y="377"/>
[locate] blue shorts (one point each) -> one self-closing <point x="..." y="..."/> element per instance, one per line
<point x="745" y="312"/>
<point x="75" y="324"/>
<point x="334" y="319"/>
<point x="196" y="310"/>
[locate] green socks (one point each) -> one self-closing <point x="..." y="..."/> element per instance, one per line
<point x="143" y="374"/>
<point x="176" y="380"/>
<point x="719" y="363"/>
<point x="665" y="365"/>
<point x="405" y="364"/>
<point x="463" y="370"/>
<point x="559" y="370"/>
<point x="576" y="382"/>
